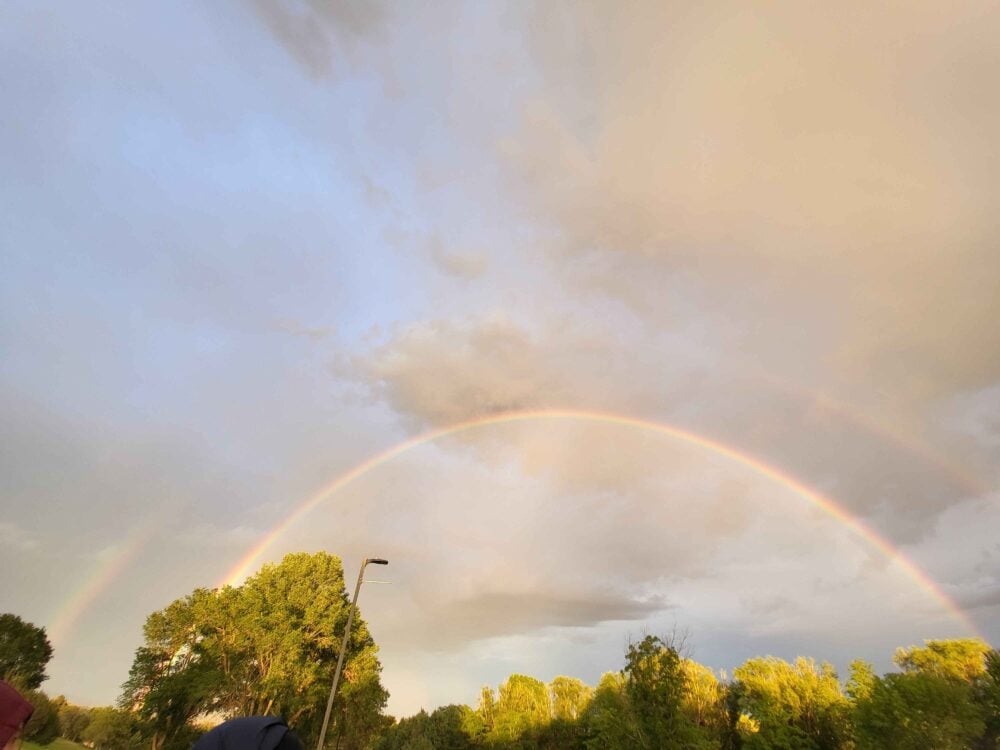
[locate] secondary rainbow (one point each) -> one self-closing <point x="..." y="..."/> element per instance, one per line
<point x="239" y="572"/>
<point x="106" y="571"/>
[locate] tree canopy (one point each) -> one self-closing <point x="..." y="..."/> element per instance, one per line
<point x="24" y="652"/>
<point x="266" y="647"/>
<point x="946" y="697"/>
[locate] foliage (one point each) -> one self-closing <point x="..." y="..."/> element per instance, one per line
<point x="43" y="726"/>
<point x="655" y="684"/>
<point x="24" y="652"/>
<point x="113" y="729"/>
<point x="266" y="647"/>
<point x="795" y="706"/>
<point x="659" y="700"/>
<point x="988" y="698"/>
<point x="912" y="711"/>
<point x="959" y="659"/>
<point x="448" y="728"/>
<point x="570" y="698"/>
<point x="522" y="704"/>
<point x="609" y="723"/>
<point x="73" y="720"/>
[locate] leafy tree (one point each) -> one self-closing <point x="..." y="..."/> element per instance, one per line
<point x="988" y="697"/>
<point x="937" y="702"/>
<point x="608" y="721"/>
<point x="958" y="659"/>
<point x="487" y="709"/>
<point x="448" y="728"/>
<point x="703" y="704"/>
<point x="656" y="685"/>
<point x="73" y="720"/>
<point x="24" y="652"/>
<point x="861" y="682"/>
<point x="453" y="728"/>
<point x="266" y="647"/>
<point x="113" y="729"/>
<point x="523" y="703"/>
<point x="789" y="706"/>
<point x="917" y="711"/>
<point x="43" y="726"/>
<point x="570" y="698"/>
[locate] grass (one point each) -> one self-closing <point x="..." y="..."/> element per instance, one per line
<point x="57" y="744"/>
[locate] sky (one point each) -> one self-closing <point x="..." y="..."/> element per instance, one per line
<point x="249" y="246"/>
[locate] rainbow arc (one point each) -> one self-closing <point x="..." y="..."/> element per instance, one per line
<point x="836" y="511"/>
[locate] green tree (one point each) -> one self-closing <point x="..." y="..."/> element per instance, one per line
<point x="917" y="711"/>
<point x="266" y="647"/>
<point x="113" y="729"/>
<point x="487" y="710"/>
<point x="43" y="726"/>
<point x="784" y="706"/>
<point x="937" y="702"/>
<point x="703" y="704"/>
<point x="656" y="688"/>
<point x="172" y="680"/>
<point x="73" y="720"/>
<point x="988" y="697"/>
<point x="608" y="722"/>
<point x="570" y="698"/>
<point x="958" y="659"/>
<point x="522" y="704"/>
<point x="24" y="652"/>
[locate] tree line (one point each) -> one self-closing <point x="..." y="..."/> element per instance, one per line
<point x="267" y="646"/>
<point x="945" y="696"/>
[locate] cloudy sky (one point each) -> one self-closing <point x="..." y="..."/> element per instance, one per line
<point x="248" y="246"/>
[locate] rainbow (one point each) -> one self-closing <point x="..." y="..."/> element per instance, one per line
<point x="880" y="428"/>
<point x="242" y="568"/>
<point x="106" y="571"/>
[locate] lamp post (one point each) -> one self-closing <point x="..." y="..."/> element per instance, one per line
<point x="343" y="646"/>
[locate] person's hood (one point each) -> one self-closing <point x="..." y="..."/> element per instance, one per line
<point x="14" y="712"/>
<point x="248" y="733"/>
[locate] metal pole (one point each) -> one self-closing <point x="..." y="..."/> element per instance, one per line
<point x="343" y="647"/>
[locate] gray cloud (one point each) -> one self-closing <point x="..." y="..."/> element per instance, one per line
<point x="984" y="599"/>
<point x="316" y="32"/>
<point x="499" y="614"/>
<point x="805" y="174"/>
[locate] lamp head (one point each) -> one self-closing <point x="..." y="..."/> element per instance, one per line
<point x="376" y="561"/>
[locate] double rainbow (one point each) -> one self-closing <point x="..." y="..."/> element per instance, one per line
<point x="242" y="568"/>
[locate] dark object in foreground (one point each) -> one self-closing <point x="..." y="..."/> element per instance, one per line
<point x="14" y="713"/>
<point x="250" y="733"/>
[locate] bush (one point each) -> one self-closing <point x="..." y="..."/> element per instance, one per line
<point x="43" y="726"/>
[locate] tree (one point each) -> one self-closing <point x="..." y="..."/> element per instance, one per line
<point x="608" y="722"/>
<point x="988" y="697"/>
<point x="570" y="698"/>
<point x="656" y="687"/>
<point x="266" y="647"/>
<point x="113" y="729"/>
<point x="958" y="659"/>
<point x="487" y="709"/>
<point x="43" y="725"/>
<point x="73" y="720"/>
<point x="522" y="703"/>
<point x="24" y="652"/>
<point x="703" y="704"/>
<point x="790" y="706"/>
<point x="917" y="711"/>
<point x="936" y="702"/>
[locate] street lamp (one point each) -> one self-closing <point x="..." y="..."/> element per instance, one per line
<point x="343" y="646"/>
